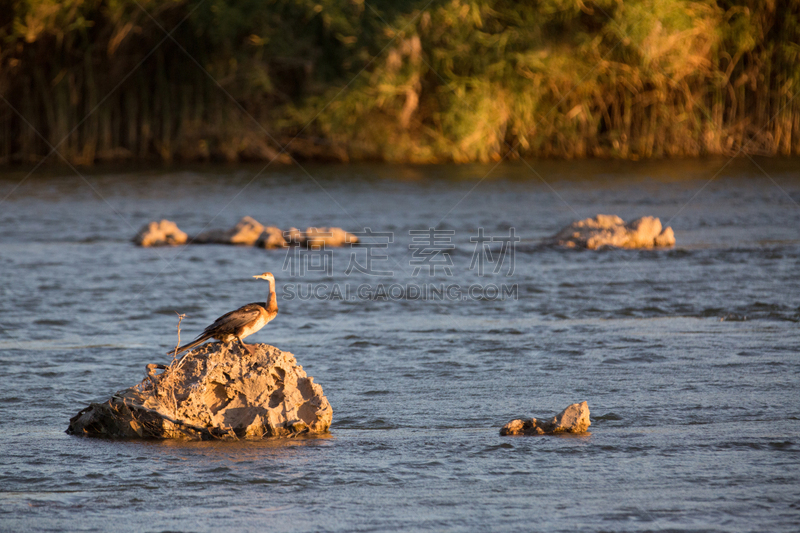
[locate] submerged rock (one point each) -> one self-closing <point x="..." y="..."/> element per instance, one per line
<point x="214" y="392"/>
<point x="611" y="230"/>
<point x="573" y="419"/>
<point x="163" y="233"/>
<point x="246" y="232"/>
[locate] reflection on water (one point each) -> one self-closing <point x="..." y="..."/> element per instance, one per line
<point x="687" y="357"/>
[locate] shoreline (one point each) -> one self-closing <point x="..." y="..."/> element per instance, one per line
<point x="53" y="162"/>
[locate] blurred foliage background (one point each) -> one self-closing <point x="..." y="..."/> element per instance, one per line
<point x="401" y="81"/>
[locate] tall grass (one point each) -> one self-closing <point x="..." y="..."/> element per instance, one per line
<point x="457" y="81"/>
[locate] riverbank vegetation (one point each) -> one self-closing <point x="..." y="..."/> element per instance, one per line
<point x="406" y="81"/>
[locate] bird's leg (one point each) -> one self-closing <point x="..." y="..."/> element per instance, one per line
<point x="246" y="346"/>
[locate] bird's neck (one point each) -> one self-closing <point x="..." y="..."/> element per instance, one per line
<point x="272" y="300"/>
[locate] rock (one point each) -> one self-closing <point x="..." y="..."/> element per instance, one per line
<point x="666" y="238"/>
<point x="246" y="232"/>
<point x="611" y="230"/>
<point x="214" y="392"/>
<point x="295" y="237"/>
<point x="271" y="237"/>
<point x="164" y="233"/>
<point x="573" y="419"/>
<point x="329" y="237"/>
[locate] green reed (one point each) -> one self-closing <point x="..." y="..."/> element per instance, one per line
<point x="460" y="81"/>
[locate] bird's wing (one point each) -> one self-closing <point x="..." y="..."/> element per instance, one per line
<point x="236" y="319"/>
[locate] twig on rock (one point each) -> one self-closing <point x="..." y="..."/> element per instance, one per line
<point x="181" y="316"/>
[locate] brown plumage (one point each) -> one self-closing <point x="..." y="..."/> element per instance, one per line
<point x="240" y="323"/>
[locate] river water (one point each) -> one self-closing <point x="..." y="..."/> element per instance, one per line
<point x="689" y="358"/>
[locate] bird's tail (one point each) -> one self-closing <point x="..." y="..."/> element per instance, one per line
<point x="199" y="340"/>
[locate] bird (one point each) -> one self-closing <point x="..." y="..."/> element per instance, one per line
<point x="241" y="323"/>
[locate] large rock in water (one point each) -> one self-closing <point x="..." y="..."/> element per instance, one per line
<point x="163" y="233"/>
<point x="610" y="230"/>
<point x="214" y="392"/>
<point x="573" y="419"/>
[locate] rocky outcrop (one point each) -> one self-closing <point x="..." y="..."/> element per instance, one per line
<point x="328" y="237"/>
<point x="573" y="419"/>
<point x="163" y="233"/>
<point x="295" y="237"/>
<point x="246" y="232"/>
<point x="215" y="392"/>
<point x="611" y="230"/>
<point x="271" y="237"/>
